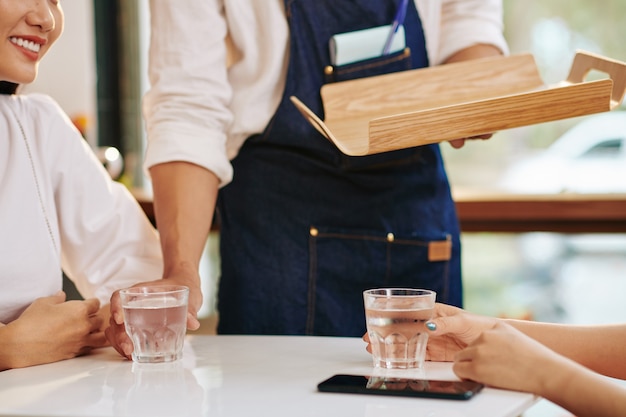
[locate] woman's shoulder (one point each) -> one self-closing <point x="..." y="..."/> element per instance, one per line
<point x="39" y="102"/>
<point x="44" y="123"/>
<point x="33" y="104"/>
<point x="43" y="112"/>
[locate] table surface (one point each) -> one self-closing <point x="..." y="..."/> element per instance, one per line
<point x="232" y="376"/>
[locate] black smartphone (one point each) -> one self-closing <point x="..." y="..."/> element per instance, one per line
<point x="407" y="387"/>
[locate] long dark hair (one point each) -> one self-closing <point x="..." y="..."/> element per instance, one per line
<point x="8" y="87"/>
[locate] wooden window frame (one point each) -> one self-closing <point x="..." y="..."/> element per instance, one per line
<point x="515" y="213"/>
<point x="559" y="213"/>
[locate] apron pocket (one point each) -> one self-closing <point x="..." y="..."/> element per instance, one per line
<point x="384" y="64"/>
<point x="344" y="263"/>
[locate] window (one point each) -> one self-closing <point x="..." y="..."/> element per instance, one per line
<point x="551" y="32"/>
<point x="560" y="169"/>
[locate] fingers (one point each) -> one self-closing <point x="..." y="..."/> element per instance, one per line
<point x="57" y="298"/>
<point x="485" y="136"/>
<point x="445" y="325"/>
<point x="465" y="355"/>
<point x="366" y="339"/>
<point x="192" y="322"/>
<point x="95" y="323"/>
<point x="86" y="310"/>
<point x="444" y="310"/>
<point x="457" y="143"/>
<point x="194" y="303"/>
<point x="115" y="346"/>
<point x="464" y="369"/>
<point x="460" y="325"/>
<point x="116" y="308"/>
<point x="117" y="337"/>
<point x="97" y="340"/>
<point x="485" y="351"/>
<point x="93" y="305"/>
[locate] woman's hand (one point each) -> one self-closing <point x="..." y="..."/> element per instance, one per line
<point x="450" y="331"/>
<point x="49" y="330"/>
<point x="504" y="357"/>
<point x="116" y="332"/>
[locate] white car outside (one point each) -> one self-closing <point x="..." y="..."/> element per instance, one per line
<point x="588" y="158"/>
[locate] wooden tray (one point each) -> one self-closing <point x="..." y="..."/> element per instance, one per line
<point x="460" y="100"/>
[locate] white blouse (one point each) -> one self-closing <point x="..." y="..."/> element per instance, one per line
<point x="201" y="111"/>
<point x="60" y="210"/>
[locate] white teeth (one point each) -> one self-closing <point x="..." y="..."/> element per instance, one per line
<point x="30" y="45"/>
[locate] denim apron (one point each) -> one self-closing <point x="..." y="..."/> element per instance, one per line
<point x="304" y="229"/>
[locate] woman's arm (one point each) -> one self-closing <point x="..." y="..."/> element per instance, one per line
<point x="556" y="361"/>
<point x="505" y="357"/>
<point x="600" y="348"/>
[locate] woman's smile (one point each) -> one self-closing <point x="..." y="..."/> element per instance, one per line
<point x="29" y="46"/>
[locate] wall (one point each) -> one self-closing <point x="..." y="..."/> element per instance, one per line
<point x="68" y="71"/>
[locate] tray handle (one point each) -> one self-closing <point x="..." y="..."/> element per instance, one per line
<point x="586" y="61"/>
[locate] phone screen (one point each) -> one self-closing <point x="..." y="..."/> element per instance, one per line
<point x="360" y="384"/>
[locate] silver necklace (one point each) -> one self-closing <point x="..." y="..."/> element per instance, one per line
<point x="36" y="179"/>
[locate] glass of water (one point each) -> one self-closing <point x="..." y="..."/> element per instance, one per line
<point x="155" y="318"/>
<point x="396" y="319"/>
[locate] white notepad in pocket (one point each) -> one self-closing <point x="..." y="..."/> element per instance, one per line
<point x="360" y="45"/>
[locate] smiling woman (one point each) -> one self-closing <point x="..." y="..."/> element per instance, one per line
<point x="30" y="27"/>
<point x="60" y="210"/>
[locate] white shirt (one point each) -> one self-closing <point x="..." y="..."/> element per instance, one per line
<point x="59" y="209"/>
<point x="201" y="111"/>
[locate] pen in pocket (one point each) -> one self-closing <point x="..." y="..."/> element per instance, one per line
<point x="397" y="21"/>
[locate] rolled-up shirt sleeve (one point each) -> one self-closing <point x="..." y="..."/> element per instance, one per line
<point x="464" y="23"/>
<point x="186" y="108"/>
